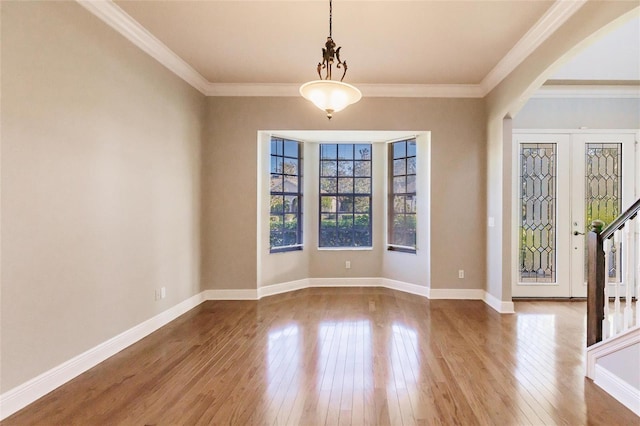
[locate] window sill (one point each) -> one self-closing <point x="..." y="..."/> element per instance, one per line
<point x="402" y="249"/>
<point x="285" y="249"/>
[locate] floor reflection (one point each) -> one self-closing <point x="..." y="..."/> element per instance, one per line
<point x="344" y="346"/>
<point x="403" y="356"/>
<point x="283" y="356"/>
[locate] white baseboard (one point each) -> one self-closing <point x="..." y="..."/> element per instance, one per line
<point x="418" y="290"/>
<point x="286" y="287"/>
<point x="626" y="394"/>
<point x="499" y="305"/>
<point x="28" y="392"/>
<point x="424" y="291"/>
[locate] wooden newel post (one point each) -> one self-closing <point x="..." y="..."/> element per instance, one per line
<point x="595" y="283"/>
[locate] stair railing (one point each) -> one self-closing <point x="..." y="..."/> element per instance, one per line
<point x="613" y="273"/>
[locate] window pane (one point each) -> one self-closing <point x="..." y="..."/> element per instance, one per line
<point x="276" y="146"/>
<point x="291" y="149"/>
<point x="345" y="221"/>
<point x="399" y="185"/>
<point x="290" y="229"/>
<point x="277" y="204"/>
<point x="362" y="204"/>
<point x="363" y="152"/>
<point x="329" y="220"/>
<point x="399" y="167"/>
<point x="276" y="164"/>
<point x="411" y="183"/>
<point x="362" y="237"/>
<point x="345" y="185"/>
<point x="276" y="183"/>
<point x="328" y="185"/>
<point x="398" y="204"/>
<point x="361" y="221"/>
<point x="276" y="222"/>
<point x="345" y="204"/>
<point x="362" y="186"/>
<point x="328" y="233"/>
<point x="411" y="166"/>
<point x="345" y="168"/>
<point x="329" y="152"/>
<point x="398" y="231"/>
<point x="362" y="168"/>
<point x="291" y="204"/>
<point x="290" y="166"/>
<point x="411" y="148"/>
<point x="345" y="152"/>
<point x="399" y="149"/>
<point x="290" y="184"/>
<point x="328" y="168"/>
<point x="410" y="205"/>
<point x="328" y="204"/>
<point x="276" y="227"/>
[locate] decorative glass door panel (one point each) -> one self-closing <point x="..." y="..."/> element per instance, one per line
<point x="562" y="183"/>
<point x="603" y="190"/>
<point x="541" y="216"/>
<point x="537" y="233"/>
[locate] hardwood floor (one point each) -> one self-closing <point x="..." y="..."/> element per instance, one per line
<point x="345" y="356"/>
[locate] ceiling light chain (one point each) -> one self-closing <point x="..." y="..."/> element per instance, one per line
<point x="328" y="95"/>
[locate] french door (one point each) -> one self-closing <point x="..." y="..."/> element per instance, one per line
<point x="562" y="182"/>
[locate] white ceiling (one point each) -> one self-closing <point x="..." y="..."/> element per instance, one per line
<point x="384" y="42"/>
<point x="392" y="47"/>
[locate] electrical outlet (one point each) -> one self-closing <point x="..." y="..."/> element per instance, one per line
<point x="156" y="295"/>
<point x="163" y="292"/>
<point x="461" y="273"/>
<point x="347" y="264"/>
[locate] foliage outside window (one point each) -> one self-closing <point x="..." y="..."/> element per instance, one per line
<point x="285" y="220"/>
<point x="402" y="196"/>
<point x="345" y="195"/>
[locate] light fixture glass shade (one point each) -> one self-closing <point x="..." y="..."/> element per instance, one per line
<point x="330" y="96"/>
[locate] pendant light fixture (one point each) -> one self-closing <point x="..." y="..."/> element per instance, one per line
<point x="327" y="94"/>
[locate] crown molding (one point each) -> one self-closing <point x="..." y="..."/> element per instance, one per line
<point x="421" y="90"/>
<point x="368" y="90"/>
<point x="252" y="89"/>
<point x="119" y="20"/>
<point x="587" y="92"/>
<point x="557" y="15"/>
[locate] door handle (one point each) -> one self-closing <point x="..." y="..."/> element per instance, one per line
<point x="578" y="233"/>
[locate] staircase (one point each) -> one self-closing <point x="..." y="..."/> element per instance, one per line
<point x="613" y="314"/>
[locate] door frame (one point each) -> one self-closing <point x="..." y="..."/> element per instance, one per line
<point x="566" y="213"/>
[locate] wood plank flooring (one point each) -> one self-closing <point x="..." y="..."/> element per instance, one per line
<point x="345" y="356"/>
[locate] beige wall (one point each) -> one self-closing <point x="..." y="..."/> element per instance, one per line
<point x="230" y="185"/>
<point x="100" y="186"/>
